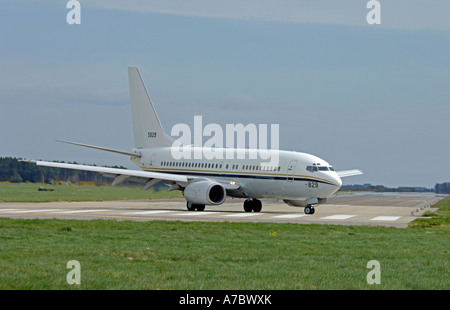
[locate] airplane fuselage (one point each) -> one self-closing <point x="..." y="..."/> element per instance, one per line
<point x="298" y="178"/>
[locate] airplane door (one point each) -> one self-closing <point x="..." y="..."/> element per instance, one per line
<point x="290" y="171"/>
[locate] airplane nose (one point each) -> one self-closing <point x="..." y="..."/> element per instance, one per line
<point x="337" y="180"/>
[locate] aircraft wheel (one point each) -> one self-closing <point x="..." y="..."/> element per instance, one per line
<point x="248" y="206"/>
<point x="252" y="205"/>
<point x="190" y="206"/>
<point x="309" y="210"/>
<point x="200" y="207"/>
<point x="257" y="205"/>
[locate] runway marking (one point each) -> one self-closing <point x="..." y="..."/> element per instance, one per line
<point x="193" y="213"/>
<point x="33" y="211"/>
<point x="247" y="214"/>
<point x="386" y="218"/>
<point x="8" y="210"/>
<point x="148" y="212"/>
<point x="290" y="216"/>
<point x="338" y="217"/>
<point x="79" y="211"/>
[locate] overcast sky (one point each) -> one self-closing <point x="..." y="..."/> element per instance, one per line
<point x="372" y="97"/>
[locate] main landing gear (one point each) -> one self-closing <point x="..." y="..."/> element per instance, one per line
<point x="309" y="209"/>
<point x="252" y="205"/>
<point x="192" y="207"/>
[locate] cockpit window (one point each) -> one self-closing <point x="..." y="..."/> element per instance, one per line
<point x="319" y="168"/>
<point x="311" y="168"/>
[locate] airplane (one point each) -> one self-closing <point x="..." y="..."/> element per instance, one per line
<point x="299" y="179"/>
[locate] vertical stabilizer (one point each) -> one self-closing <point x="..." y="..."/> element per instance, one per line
<point x="148" y="131"/>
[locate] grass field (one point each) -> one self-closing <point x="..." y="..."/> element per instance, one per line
<point x="29" y="193"/>
<point x="204" y="255"/>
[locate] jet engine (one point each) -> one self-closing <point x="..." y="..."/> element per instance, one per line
<point x="205" y="193"/>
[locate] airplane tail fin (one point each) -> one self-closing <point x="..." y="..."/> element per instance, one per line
<point x="148" y="131"/>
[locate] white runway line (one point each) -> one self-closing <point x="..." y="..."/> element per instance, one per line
<point x="8" y="210"/>
<point x="386" y="218"/>
<point x="338" y="217"/>
<point x="81" y="211"/>
<point x="194" y="213"/>
<point x="147" y="212"/>
<point x="243" y="214"/>
<point x="34" y="211"/>
<point x="290" y="216"/>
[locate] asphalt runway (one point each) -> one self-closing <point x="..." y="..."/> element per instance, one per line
<point x="370" y="210"/>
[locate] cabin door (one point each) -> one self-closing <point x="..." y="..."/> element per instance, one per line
<point x="290" y="171"/>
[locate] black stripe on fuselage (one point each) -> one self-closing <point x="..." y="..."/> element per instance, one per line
<point x="245" y="176"/>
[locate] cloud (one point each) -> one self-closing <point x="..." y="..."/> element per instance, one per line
<point x="402" y="14"/>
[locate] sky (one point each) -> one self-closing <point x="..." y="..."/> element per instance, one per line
<point x="374" y="97"/>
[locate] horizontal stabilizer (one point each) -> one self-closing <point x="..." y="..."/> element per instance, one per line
<point x="102" y="148"/>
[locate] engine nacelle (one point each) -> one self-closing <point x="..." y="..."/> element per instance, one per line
<point x="205" y="193"/>
<point x="305" y="202"/>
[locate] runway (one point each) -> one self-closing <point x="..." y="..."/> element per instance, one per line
<point x="369" y="210"/>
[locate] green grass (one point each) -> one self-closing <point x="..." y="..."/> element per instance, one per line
<point x="29" y="193"/>
<point x="204" y="255"/>
<point x="437" y="219"/>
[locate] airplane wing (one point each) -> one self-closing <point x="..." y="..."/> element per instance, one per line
<point x="348" y="173"/>
<point x="121" y="175"/>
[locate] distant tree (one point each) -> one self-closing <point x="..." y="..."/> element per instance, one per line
<point x="13" y="170"/>
<point x="443" y="188"/>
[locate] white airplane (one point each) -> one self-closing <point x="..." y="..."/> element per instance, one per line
<point x="299" y="179"/>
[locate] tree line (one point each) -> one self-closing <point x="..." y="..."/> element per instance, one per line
<point x="443" y="188"/>
<point x="16" y="171"/>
